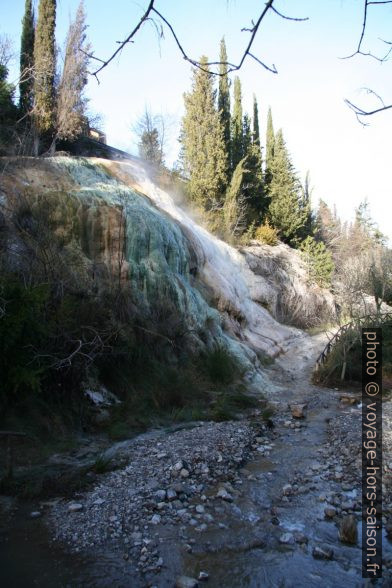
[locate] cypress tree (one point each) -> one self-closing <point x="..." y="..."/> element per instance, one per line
<point x="270" y="148"/>
<point x="203" y="147"/>
<point x="27" y="60"/>
<point x="285" y="210"/>
<point x="258" y="200"/>
<point x="224" y="98"/>
<point x="306" y="207"/>
<point x="246" y="134"/>
<point x="45" y="66"/>
<point x="237" y="132"/>
<point x="235" y="209"/>
<point x="256" y="128"/>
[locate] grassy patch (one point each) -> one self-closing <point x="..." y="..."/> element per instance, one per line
<point x="102" y="465"/>
<point x="220" y="366"/>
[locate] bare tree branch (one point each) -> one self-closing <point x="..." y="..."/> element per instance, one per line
<point x="358" y="50"/>
<point x="289" y="17"/>
<point x="231" y="67"/>
<point x="360" y="112"/>
<point x="363" y="31"/>
<point x="127" y="40"/>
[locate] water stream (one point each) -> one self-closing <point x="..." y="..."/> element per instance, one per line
<point x="245" y="552"/>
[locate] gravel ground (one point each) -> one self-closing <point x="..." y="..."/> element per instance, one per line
<point x="166" y="482"/>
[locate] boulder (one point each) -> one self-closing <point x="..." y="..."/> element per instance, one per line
<point x="298" y="411"/>
<point x="186" y="582"/>
<point x="348" y="532"/>
<point x="322" y="552"/>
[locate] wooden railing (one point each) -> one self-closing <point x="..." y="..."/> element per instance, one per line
<point x="370" y="319"/>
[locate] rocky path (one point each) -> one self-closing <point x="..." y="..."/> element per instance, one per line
<point x="233" y="504"/>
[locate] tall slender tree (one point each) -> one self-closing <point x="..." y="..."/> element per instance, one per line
<point x="237" y="132"/>
<point x="286" y="212"/>
<point x="246" y="134"/>
<point x="270" y="148"/>
<point x="306" y="207"/>
<point x="27" y="60"/>
<point x="45" y="68"/>
<point x="203" y="147"/>
<point x="256" y="127"/>
<point x="71" y="102"/>
<point x="224" y="98"/>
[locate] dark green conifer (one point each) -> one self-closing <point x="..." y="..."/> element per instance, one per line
<point x="45" y="69"/>
<point x="224" y="98"/>
<point x="306" y="207"/>
<point x="246" y="134"/>
<point x="237" y="127"/>
<point x="285" y="211"/>
<point x="8" y="112"/>
<point x="270" y="148"/>
<point x="256" y="128"/>
<point x="203" y="147"/>
<point x="27" y="60"/>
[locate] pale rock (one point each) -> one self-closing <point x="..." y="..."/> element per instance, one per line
<point x="348" y="532"/>
<point x="298" y="411"/>
<point x="286" y="539"/>
<point x="186" y="582"/>
<point x="322" y="552"/>
<point x="75" y="507"/>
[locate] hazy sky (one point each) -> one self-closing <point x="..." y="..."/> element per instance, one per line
<point x="347" y="162"/>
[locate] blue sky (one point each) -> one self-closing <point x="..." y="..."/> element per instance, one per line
<point x="346" y="161"/>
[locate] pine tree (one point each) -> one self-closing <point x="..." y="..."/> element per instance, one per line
<point x="71" y="103"/>
<point x="318" y="261"/>
<point x="27" y="60"/>
<point x="237" y="128"/>
<point x="285" y="210"/>
<point x="270" y="148"/>
<point x="224" y="98"/>
<point x="203" y="147"/>
<point x="45" y="66"/>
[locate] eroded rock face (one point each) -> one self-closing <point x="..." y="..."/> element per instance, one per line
<point x="124" y="228"/>
<point x="280" y="283"/>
